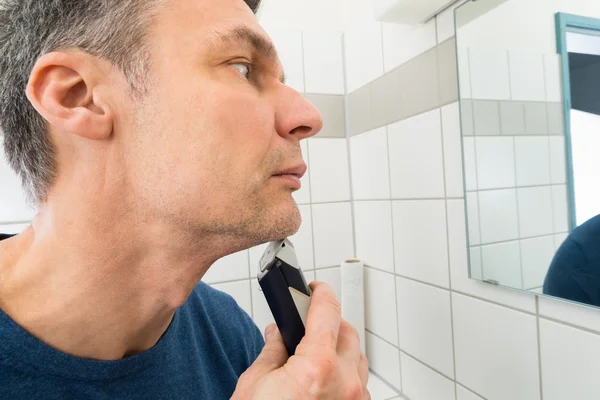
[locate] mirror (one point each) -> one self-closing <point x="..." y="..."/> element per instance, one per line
<point x="529" y="75"/>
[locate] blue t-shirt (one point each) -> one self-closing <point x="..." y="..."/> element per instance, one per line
<point x="209" y="344"/>
<point x="574" y="273"/>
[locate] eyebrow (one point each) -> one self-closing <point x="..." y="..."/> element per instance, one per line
<point x="242" y="35"/>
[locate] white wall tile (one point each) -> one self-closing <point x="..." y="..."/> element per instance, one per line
<point x="425" y="324"/>
<point x="370" y="165"/>
<point x="363" y="55"/>
<point x="302" y="196"/>
<point x="380" y="305"/>
<point x="527" y="81"/>
<point x="416" y="161"/>
<point x="464" y="394"/>
<point x="502" y="263"/>
<point x="557" y="159"/>
<point x="553" y="77"/>
<point x="560" y="208"/>
<point x="289" y="47"/>
<point x="374" y="238"/>
<point x="452" y="151"/>
<point x="473" y="218"/>
<point x="401" y="43"/>
<point x="535" y="211"/>
<point x="489" y="74"/>
<point x="459" y="268"/>
<point x="332" y="225"/>
<point x="333" y="277"/>
<point x="13" y="229"/>
<point x="384" y="359"/>
<point x="303" y="240"/>
<point x="499" y="358"/>
<point x="576" y="314"/>
<point x="495" y="162"/>
<point x="498" y="215"/>
<point x="378" y="389"/>
<point x="229" y="268"/>
<point x="470" y="162"/>
<point x="323" y="62"/>
<point x="420" y="240"/>
<point x="13" y="202"/>
<point x="533" y="160"/>
<point x="421" y="382"/>
<point x="536" y="256"/>
<point x="570" y="362"/>
<point x="240" y="291"/>
<point x="464" y="73"/>
<point x="329" y="175"/>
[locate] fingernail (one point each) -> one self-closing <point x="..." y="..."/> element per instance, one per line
<point x="269" y="331"/>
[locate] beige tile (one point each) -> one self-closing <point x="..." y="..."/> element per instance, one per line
<point x="332" y="110"/>
<point x="359" y="111"/>
<point x="419" y="84"/>
<point x="447" y="72"/>
<point x="386" y="99"/>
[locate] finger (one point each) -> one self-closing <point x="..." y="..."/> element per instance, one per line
<point x="348" y="345"/>
<point x="324" y="317"/>
<point x="273" y="355"/>
<point x="363" y="370"/>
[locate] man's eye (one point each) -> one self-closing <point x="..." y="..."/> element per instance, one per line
<point x="243" y="69"/>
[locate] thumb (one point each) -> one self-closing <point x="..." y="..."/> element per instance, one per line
<point x="273" y="355"/>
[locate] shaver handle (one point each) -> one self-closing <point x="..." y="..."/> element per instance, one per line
<point x="288" y="305"/>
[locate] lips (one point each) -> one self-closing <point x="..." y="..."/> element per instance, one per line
<point x="297" y="171"/>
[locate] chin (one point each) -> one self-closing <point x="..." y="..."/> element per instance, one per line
<point x="278" y="223"/>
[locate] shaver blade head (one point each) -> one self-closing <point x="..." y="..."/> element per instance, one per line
<point x="280" y="250"/>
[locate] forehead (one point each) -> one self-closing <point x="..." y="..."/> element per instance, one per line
<point x="197" y="20"/>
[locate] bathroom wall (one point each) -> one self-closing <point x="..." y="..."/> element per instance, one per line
<point x="433" y="332"/>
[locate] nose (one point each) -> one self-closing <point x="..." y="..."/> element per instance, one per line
<point x="296" y="116"/>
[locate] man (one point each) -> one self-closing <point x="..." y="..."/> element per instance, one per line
<point x="156" y="136"/>
<point x="574" y="273"/>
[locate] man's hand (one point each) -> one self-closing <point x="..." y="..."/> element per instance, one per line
<point x="328" y="363"/>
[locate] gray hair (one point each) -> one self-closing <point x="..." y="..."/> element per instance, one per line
<point x="113" y="30"/>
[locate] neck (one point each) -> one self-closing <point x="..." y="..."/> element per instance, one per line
<point x="109" y="287"/>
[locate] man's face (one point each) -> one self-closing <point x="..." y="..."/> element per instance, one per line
<point x="217" y="128"/>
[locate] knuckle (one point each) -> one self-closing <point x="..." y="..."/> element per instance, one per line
<point x="354" y="391"/>
<point x="324" y="371"/>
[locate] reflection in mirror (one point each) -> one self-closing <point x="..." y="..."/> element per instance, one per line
<point x="530" y="110"/>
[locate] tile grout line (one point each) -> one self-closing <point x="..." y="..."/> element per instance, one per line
<point x="516" y="186"/>
<point x="471" y="391"/>
<point x="448" y="242"/>
<point x="539" y="345"/>
<point x="348" y="147"/>
<point x="547" y="235"/>
<point x="518" y="215"/>
<point x="385" y="381"/>
<point x="310" y="182"/>
<point x="428" y="366"/>
<point x="391" y="205"/>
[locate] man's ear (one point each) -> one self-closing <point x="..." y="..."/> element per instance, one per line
<point x="64" y="88"/>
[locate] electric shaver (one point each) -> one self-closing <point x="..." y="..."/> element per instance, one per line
<point x="287" y="293"/>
